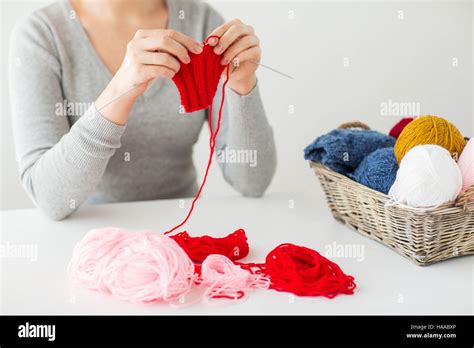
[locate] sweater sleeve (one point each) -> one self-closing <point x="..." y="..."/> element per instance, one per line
<point x="245" y="146"/>
<point x="59" y="165"/>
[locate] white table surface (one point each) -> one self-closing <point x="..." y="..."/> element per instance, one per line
<point x="387" y="283"/>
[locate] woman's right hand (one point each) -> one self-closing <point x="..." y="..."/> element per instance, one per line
<point x="150" y="54"/>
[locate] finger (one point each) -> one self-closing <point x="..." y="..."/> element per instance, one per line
<point x="231" y="35"/>
<point x="220" y="30"/>
<point x="140" y="34"/>
<point x="154" y="43"/>
<point x="151" y="72"/>
<point x="252" y="54"/>
<point x="186" y="41"/>
<point x="239" y="46"/>
<point x="183" y="39"/>
<point x="160" y="59"/>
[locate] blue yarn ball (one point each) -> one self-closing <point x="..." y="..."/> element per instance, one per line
<point x="378" y="170"/>
<point x="343" y="150"/>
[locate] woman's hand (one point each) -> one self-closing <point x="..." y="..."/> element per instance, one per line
<point x="240" y="47"/>
<point x="150" y="54"/>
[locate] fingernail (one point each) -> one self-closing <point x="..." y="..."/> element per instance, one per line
<point x="187" y="59"/>
<point x="213" y="41"/>
<point x="197" y="48"/>
<point x="218" y="48"/>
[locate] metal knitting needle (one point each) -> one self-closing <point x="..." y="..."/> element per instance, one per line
<point x="119" y="96"/>
<point x="271" y="69"/>
<point x="236" y="65"/>
<point x="135" y="86"/>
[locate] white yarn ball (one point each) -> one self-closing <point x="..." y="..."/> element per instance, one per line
<point x="427" y="177"/>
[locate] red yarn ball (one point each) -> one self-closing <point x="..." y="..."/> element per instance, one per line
<point x="399" y="126"/>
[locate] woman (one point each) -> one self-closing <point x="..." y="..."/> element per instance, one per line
<point x="131" y="143"/>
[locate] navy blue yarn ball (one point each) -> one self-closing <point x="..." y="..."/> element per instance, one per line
<point x="377" y="170"/>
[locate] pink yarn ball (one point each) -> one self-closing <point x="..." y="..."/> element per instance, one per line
<point x="466" y="164"/>
<point x="139" y="267"/>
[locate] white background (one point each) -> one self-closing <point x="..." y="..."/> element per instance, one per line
<point x="403" y="60"/>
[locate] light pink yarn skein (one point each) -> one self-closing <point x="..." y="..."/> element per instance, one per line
<point x="466" y="164"/>
<point x="138" y="267"/>
<point x="223" y="279"/>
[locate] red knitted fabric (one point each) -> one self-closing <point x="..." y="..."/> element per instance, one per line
<point x="234" y="246"/>
<point x="399" y="126"/>
<point x="197" y="81"/>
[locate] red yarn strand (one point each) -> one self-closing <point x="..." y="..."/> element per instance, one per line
<point x="291" y="268"/>
<point x="303" y="272"/>
<point x="212" y="141"/>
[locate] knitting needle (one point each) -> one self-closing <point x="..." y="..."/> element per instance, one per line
<point x="119" y="96"/>
<point x="135" y="86"/>
<point x="236" y="65"/>
<point x="274" y="70"/>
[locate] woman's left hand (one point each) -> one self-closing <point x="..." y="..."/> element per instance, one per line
<point x="240" y="48"/>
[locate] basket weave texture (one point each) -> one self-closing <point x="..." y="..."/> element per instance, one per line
<point x="424" y="236"/>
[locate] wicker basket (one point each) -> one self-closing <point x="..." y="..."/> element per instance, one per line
<point x="424" y="236"/>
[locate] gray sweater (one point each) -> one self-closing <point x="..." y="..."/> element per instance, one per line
<point x="68" y="153"/>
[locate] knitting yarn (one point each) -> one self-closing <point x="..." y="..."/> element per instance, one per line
<point x="399" y="127"/>
<point x="94" y="250"/>
<point x="378" y="170"/>
<point x="427" y="177"/>
<point x="466" y="165"/>
<point x="303" y="272"/>
<point x="223" y="279"/>
<point x="430" y="130"/>
<point x="234" y="246"/>
<point x="201" y="100"/>
<point x="342" y="150"/>
<point x="143" y="267"/>
<point x="139" y="267"/>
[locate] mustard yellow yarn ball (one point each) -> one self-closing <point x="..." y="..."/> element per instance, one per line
<point x="430" y="130"/>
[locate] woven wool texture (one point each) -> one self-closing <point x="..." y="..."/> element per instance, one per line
<point x="378" y="170"/>
<point x="197" y="81"/>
